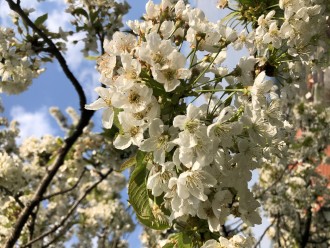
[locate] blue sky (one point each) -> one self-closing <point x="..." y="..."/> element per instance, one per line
<point x="52" y="88"/>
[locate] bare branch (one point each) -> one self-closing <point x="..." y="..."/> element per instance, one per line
<point x="60" y="234"/>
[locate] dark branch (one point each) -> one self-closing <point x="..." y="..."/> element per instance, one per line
<point x="31" y="225"/>
<point x="305" y="234"/>
<point x="52" y="47"/>
<point x="83" y="122"/>
<point x="37" y="198"/>
<point x="273" y="184"/>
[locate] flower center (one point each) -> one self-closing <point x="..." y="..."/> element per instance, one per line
<point x="138" y="116"/>
<point x="191" y="126"/>
<point x="159" y="58"/>
<point x="107" y="101"/>
<point x="169" y="74"/>
<point x="131" y="74"/>
<point x="134" y="98"/>
<point x="162" y="141"/>
<point x="134" y="131"/>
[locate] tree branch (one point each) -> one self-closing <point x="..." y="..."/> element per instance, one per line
<point x="37" y="197"/>
<point x="71" y="210"/>
<point x="85" y="117"/>
<point x="305" y="234"/>
<point x="52" y="48"/>
<point x="62" y="232"/>
<point x="31" y="226"/>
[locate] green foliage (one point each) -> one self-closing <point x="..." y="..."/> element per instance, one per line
<point x="128" y="163"/>
<point x="179" y="240"/>
<point x="41" y="19"/>
<point x="147" y="211"/>
<point x="80" y="11"/>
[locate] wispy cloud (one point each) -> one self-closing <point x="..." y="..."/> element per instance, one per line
<point x="73" y="55"/>
<point x="58" y="18"/>
<point x="35" y="124"/>
<point x="5" y="15"/>
<point x="89" y="77"/>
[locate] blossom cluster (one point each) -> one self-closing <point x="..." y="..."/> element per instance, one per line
<point x="23" y="166"/>
<point x="300" y="180"/>
<point x="202" y="155"/>
<point x="99" y="19"/>
<point x="18" y="65"/>
<point x="235" y="241"/>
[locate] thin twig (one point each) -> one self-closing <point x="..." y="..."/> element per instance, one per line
<point x="264" y="233"/>
<point x="15" y="196"/>
<point x="72" y="209"/>
<point x="60" y="235"/>
<point x="31" y="226"/>
<point x="273" y="184"/>
<point x="62" y="192"/>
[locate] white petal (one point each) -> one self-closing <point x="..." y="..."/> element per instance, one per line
<point x="182" y="189"/>
<point x="107" y="118"/>
<point x="149" y="145"/>
<point x="260" y="78"/>
<point x="159" y="156"/>
<point x="193" y="112"/>
<point x="171" y="85"/>
<point x="104" y="93"/>
<point x="98" y="104"/>
<point x="179" y="121"/>
<point x="197" y="191"/>
<point x="156" y="128"/>
<point x="214" y="224"/>
<point x="122" y="142"/>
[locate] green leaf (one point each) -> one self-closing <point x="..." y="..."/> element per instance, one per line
<point x="128" y="163"/>
<point x="41" y="19"/>
<point x="80" y="11"/>
<point x="94" y="15"/>
<point x="179" y="240"/>
<point x="110" y="133"/>
<point x="147" y="212"/>
<point x="228" y="101"/>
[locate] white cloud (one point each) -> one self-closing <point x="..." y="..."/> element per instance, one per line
<point x="89" y="77"/>
<point x="73" y="55"/>
<point x="5" y="15"/>
<point x="58" y="18"/>
<point x="32" y="123"/>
